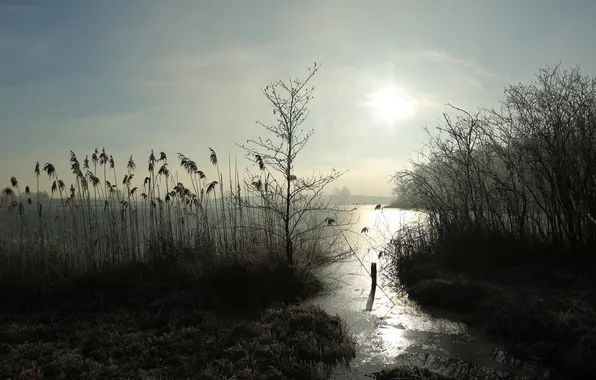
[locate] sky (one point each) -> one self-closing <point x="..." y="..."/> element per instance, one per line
<point x="184" y="76"/>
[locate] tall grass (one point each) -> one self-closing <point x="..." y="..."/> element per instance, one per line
<point x="105" y="218"/>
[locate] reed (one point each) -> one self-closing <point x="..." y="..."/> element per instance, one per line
<point x="98" y="223"/>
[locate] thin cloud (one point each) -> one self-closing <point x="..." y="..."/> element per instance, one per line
<point x="443" y="57"/>
<point x="437" y="56"/>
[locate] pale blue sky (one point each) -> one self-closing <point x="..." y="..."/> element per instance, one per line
<point x="182" y="76"/>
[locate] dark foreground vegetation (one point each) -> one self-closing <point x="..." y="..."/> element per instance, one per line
<point x="510" y="241"/>
<point x="230" y="318"/>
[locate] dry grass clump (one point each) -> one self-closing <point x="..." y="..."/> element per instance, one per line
<point x="299" y="342"/>
<point x="177" y="313"/>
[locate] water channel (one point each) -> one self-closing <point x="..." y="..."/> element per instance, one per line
<point x="396" y="331"/>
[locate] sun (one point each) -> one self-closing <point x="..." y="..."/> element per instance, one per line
<point x="390" y="105"/>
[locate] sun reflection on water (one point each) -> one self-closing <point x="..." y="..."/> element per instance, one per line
<point x="396" y="330"/>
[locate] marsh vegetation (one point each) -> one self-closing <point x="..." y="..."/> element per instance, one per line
<point x="511" y="234"/>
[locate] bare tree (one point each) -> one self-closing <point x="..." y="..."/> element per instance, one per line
<point x="293" y="200"/>
<point x="525" y="169"/>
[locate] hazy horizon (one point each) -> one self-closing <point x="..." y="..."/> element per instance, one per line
<point x="140" y="75"/>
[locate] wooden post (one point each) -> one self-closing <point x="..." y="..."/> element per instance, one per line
<point x="373" y="286"/>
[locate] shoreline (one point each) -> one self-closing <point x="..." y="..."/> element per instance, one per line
<point x="548" y="325"/>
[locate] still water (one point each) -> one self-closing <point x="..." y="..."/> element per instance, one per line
<point x="396" y="331"/>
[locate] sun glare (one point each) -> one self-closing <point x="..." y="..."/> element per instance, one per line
<point x="390" y="105"/>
